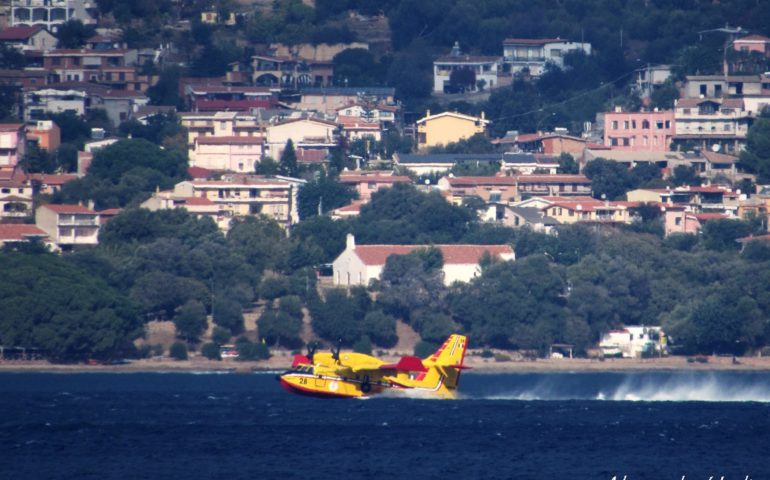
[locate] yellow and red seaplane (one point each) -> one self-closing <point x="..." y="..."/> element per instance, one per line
<point x="349" y="375"/>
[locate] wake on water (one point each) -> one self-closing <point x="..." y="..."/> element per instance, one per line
<point x="672" y="387"/>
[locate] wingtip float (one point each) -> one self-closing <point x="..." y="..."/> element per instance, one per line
<point x="355" y="375"/>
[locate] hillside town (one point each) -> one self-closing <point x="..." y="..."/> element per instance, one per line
<point x="317" y="184"/>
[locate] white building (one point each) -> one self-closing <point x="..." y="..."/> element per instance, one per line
<point x="532" y="54"/>
<point x="360" y="264"/>
<point x="484" y="68"/>
<point x="68" y="225"/>
<point x="52" y="13"/>
<point x="305" y="134"/>
<point x="633" y="342"/>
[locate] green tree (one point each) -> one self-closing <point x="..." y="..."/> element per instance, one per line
<point x="356" y="67"/>
<point x="665" y="96"/>
<point x="684" y="175"/>
<point x="190" y="321"/>
<point x="323" y="195"/>
<point x="211" y="351"/>
<point x="722" y="234"/>
<point x="228" y="313"/>
<point x="609" y="179"/>
<point x="280" y="329"/>
<point x="380" y="328"/>
<point x="567" y="164"/>
<point x="73" y="34"/>
<point x="756" y="156"/>
<point x="178" y="351"/>
<point x="288" y="165"/>
<point x="66" y="312"/>
<point x="37" y="160"/>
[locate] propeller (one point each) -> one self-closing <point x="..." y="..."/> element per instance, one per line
<point x="336" y="351"/>
<point x="311" y="348"/>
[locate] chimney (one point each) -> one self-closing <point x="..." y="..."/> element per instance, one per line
<point x="427" y="113"/>
<point x="350" y="242"/>
<point x="482" y="115"/>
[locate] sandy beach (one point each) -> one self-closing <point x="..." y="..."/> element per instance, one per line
<point x="282" y="360"/>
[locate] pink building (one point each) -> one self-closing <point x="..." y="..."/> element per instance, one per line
<point x="366" y="185"/>
<point x="639" y="131"/>
<point x="753" y="43"/>
<point x="679" y="220"/>
<point x="12" y="144"/>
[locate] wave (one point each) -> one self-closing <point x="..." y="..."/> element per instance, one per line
<point x="648" y="387"/>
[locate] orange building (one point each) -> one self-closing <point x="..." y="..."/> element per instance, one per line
<point x="46" y="134"/>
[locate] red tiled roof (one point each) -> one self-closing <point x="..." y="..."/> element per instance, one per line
<point x="714" y="157"/>
<point x="10" y="127"/>
<point x="453" y="254"/>
<point x="110" y="212"/>
<point x="53" y="179"/>
<point x="199" y="172"/>
<point x="68" y="208"/>
<point x="19" y="232"/>
<point x="200" y="201"/>
<point x="234" y="140"/>
<point x="751" y="238"/>
<point x="556" y="178"/>
<point x="234" y="105"/>
<point x="19" y="32"/>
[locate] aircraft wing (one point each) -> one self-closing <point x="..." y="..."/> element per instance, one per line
<point x="405" y="364"/>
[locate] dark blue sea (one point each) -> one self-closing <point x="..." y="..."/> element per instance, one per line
<point x="519" y="426"/>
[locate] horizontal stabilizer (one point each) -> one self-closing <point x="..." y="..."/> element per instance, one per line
<point x="406" y="364"/>
<point x="460" y="367"/>
<point x="300" y="360"/>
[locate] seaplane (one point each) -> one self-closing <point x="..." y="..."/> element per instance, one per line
<point x="339" y="374"/>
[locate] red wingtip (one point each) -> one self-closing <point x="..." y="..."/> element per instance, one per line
<point x="300" y="360"/>
<point x="406" y="364"/>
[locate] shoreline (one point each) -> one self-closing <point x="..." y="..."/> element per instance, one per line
<point x="477" y="364"/>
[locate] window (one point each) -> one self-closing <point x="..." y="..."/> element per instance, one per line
<point x="645" y="124"/>
<point x="625" y="124"/>
<point x="727" y="127"/>
<point x="686" y="111"/>
<point x="626" y="143"/>
<point x="6" y="190"/>
<point x="76" y="61"/>
<point x="659" y="125"/>
<point x="633" y="124"/>
<point x="668" y="124"/>
<point x="678" y="221"/>
<point x="703" y="89"/>
<point x="56" y="61"/>
<point x="644" y="140"/>
<point x="717" y="90"/>
<point x="614" y="142"/>
<point x="614" y="124"/>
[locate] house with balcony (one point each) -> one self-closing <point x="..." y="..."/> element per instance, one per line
<point x="448" y="127"/>
<point x="366" y="184"/>
<point x="80" y="98"/>
<point x="240" y="195"/>
<point x="220" y="124"/>
<point x="484" y="71"/>
<point x="200" y="207"/>
<point x="427" y="163"/>
<point x="718" y="124"/>
<point x="290" y="73"/>
<point x="514" y="188"/>
<point x="28" y="38"/>
<point x="52" y="13"/>
<point x="385" y="114"/>
<point x="549" y="143"/>
<point x="68" y="226"/>
<point x="228" y="153"/>
<point x="680" y="219"/>
<point x="528" y="163"/>
<point x="639" y="131"/>
<point x="114" y="66"/>
<point x="591" y="211"/>
<point x="360" y="264"/>
<point x="312" y="137"/>
<point x="208" y="95"/>
<point x="326" y="100"/>
<point x="530" y="55"/>
<point x="718" y="86"/>
<point x="16" y="193"/>
<point x="13" y="144"/>
<point x="50" y="183"/>
<point x="518" y="217"/>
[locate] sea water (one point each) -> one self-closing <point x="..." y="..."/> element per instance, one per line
<point x="523" y="426"/>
